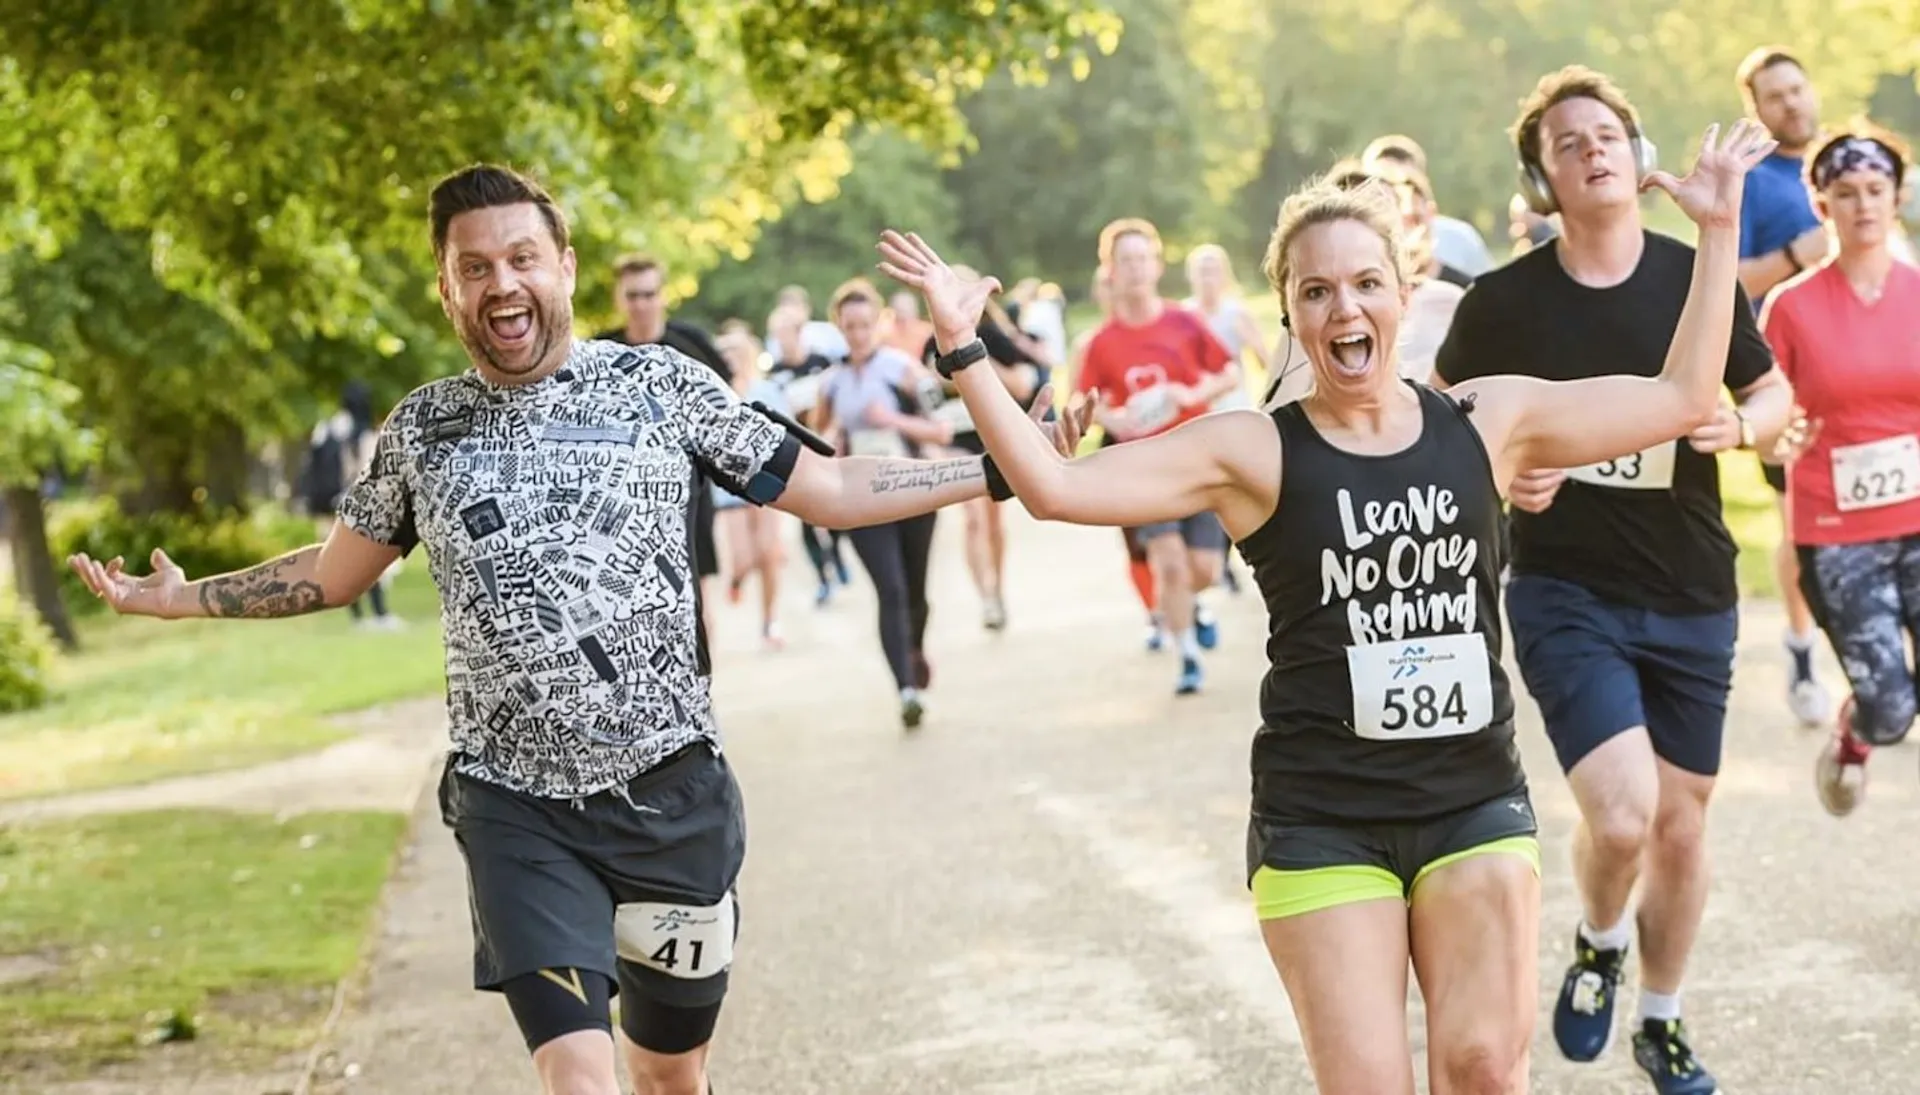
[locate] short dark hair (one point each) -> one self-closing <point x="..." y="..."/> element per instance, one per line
<point x="1759" y="61"/>
<point x="1397" y="147"/>
<point x="1349" y="174"/>
<point x="485" y="186"/>
<point x="637" y="264"/>
<point x="1571" y="82"/>
<point x="852" y="291"/>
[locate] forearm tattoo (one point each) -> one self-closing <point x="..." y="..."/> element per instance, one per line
<point x="275" y="588"/>
<point x="897" y="476"/>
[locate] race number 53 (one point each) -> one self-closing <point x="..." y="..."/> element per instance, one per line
<point x="1649" y="469"/>
<point x="1878" y="473"/>
<point x="685" y="941"/>
<point x="1435" y="686"/>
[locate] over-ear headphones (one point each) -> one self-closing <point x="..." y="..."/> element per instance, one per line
<point x="1539" y="193"/>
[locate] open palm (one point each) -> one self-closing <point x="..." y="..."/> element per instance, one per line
<point x="127" y="595"/>
<point x="955" y="301"/>
<point x="1710" y="194"/>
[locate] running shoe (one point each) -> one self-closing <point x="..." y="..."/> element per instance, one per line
<point x="1206" y="629"/>
<point x="1156" y="635"/>
<point x="994" y="613"/>
<point x="1840" y="771"/>
<point x="911" y="709"/>
<point x="1190" y="677"/>
<point x="1583" y="1017"/>
<point x="1660" y="1049"/>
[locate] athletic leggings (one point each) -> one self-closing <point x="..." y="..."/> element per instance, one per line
<point x="1866" y="597"/>
<point x="823" y="547"/>
<point x="895" y="556"/>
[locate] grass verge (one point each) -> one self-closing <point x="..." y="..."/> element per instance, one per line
<point x="146" y="699"/>
<point x="237" y="926"/>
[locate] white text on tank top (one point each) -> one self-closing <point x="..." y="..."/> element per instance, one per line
<point x="1417" y="662"/>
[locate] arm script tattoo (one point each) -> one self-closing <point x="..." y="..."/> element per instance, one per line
<point x="898" y="476"/>
<point x="275" y="588"/>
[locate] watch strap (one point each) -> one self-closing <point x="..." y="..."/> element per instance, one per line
<point x="960" y="357"/>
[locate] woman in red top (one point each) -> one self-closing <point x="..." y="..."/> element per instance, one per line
<point x="1847" y="333"/>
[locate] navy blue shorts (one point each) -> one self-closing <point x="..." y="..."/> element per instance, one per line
<point x="1597" y="668"/>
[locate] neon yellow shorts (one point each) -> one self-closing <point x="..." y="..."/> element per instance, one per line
<point x="1298" y="869"/>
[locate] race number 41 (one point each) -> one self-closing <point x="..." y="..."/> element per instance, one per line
<point x="685" y="941"/>
<point x="1878" y="473"/>
<point x="1435" y="686"/>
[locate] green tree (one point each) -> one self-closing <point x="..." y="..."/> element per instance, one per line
<point x="895" y="182"/>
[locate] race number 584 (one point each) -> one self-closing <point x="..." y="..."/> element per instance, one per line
<point x="1433" y="686"/>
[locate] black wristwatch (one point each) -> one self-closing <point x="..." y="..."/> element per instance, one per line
<point x="959" y="358"/>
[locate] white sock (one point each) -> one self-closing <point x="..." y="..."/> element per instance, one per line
<point x="1612" y="939"/>
<point x="1659" y="1006"/>
<point x="1189" y="643"/>
<point x="1799" y="642"/>
<point x="908" y="695"/>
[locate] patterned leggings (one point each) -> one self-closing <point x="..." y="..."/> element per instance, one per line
<point x="1866" y="597"/>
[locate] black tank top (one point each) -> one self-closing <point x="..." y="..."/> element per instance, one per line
<point x="1384" y="699"/>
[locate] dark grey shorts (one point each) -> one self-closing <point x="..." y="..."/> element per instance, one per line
<point x="1201" y="532"/>
<point x="635" y="883"/>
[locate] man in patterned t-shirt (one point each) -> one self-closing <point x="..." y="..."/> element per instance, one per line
<point x="601" y="826"/>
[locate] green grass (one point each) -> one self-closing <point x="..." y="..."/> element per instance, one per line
<point x="241" y="925"/>
<point x="146" y="699"/>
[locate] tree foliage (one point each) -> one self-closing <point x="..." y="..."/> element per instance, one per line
<point x="277" y="153"/>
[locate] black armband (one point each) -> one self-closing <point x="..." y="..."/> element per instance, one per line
<point x="998" y="488"/>
<point x="795" y="430"/>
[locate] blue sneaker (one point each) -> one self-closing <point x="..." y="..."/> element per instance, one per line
<point x="1206" y="629"/>
<point x="1583" y="1017"/>
<point x="1156" y="635"/>
<point x="1661" y="1050"/>
<point x="1190" y="677"/>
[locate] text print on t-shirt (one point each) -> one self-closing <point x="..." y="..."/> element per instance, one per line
<point x="1417" y="661"/>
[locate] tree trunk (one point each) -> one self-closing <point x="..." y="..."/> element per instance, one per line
<point x="33" y="568"/>
<point x="228" y="463"/>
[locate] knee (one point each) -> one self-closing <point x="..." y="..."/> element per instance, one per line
<point x="680" y="1074"/>
<point x="1620" y="830"/>
<point x="1484" y="1066"/>
<point x="1680" y="830"/>
<point x="576" y="1066"/>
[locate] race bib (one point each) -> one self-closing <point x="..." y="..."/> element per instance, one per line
<point x="803" y="393"/>
<point x="954" y="413"/>
<point x="1436" y="686"/>
<point x="875" y="443"/>
<point x="1877" y="473"/>
<point x="690" y="942"/>
<point x="1151" y="409"/>
<point x="1650" y="469"/>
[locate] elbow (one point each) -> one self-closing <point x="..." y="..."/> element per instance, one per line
<point x="1045" y="497"/>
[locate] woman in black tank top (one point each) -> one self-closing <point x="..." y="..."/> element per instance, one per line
<point x="1390" y="821"/>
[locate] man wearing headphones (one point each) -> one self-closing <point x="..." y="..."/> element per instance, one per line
<point x="1622" y="600"/>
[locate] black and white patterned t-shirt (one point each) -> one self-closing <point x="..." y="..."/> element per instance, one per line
<point x="554" y="518"/>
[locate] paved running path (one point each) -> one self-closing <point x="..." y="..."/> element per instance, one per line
<point x="1041" y="891"/>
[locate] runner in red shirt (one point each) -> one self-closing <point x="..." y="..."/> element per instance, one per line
<point x="1155" y="366"/>
<point x="1845" y="333"/>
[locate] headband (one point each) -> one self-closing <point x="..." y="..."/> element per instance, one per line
<point x="1853" y="154"/>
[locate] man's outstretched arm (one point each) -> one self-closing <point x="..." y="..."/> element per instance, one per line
<point x="316" y="577"/>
